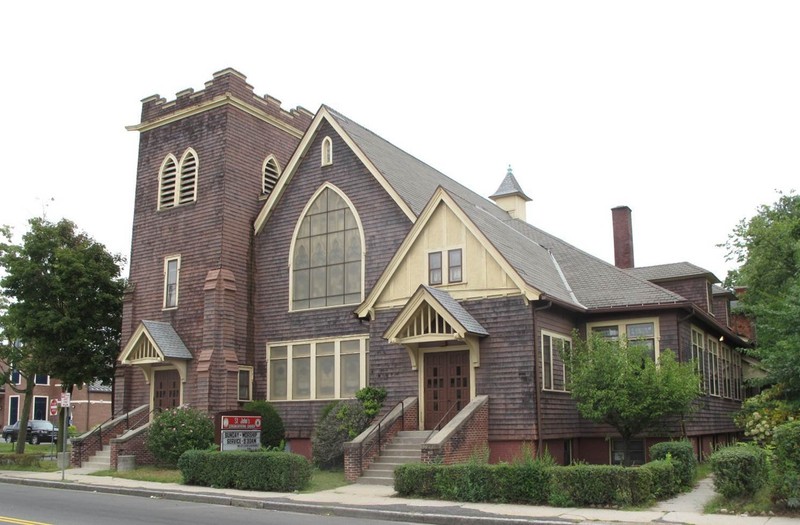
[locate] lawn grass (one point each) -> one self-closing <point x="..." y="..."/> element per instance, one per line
<point x="756" y="504"/>
<point x="320" y="479"/>
<point x="144" y="473"/>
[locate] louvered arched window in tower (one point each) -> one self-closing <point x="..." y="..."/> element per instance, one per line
<point x="177" y="181"/>
<point x="271" y="172"/>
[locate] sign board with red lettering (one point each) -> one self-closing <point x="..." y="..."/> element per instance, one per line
<point x="240" y="432"/>
<point x="54" y="407"/>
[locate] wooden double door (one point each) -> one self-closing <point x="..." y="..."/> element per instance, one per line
<point x="446" y="386"/>
<point x="166" y="389"/>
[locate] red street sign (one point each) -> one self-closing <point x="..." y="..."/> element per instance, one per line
<point x="53" y="407"/>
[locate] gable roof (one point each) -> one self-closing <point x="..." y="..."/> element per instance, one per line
<point x="558" y="270"/>
<point x="167" y="344"/>
<point x="463" y="317"/>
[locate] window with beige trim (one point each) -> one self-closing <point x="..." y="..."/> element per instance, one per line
<point x="245" y="383"/>
<point x="270" y="174"/>
<point x="177" y="181"/>
<point x="554" y="370"/>
<point x="320" y="369"/>
<point x="327" y="253"/>
<point x="172" y="269"/>
<point x="699" y="358"/>
<point x="637" y="332"/>
<point x="327" y="152"/>
<point x="454" y="270"/>
<point x="712" y="349"/>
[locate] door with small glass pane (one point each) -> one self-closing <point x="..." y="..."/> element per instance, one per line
<point x="166" y="389"/>
<point x="445" y="385"/>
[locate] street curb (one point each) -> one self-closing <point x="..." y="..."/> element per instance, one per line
<point x="320" y="509"/>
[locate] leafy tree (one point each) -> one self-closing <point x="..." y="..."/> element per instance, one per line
<point x="618" y="384"/>
<point x="767" y="247"/>
<point x="64" y="301"/>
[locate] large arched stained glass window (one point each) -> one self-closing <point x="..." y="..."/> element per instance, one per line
<point x="327" y="256"/>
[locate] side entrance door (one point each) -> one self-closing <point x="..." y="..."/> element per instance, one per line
<point x="167" y="389"/>
<point x="446" y="386"/>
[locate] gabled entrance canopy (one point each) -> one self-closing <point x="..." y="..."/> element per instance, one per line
<point x="156" y="342"/>
<point x="432" y="315"/>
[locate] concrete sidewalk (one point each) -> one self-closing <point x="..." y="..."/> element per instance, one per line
<point x="380" y="502"/>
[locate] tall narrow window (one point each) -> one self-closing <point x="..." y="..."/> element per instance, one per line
<point x="327" y="254"/>
<point x="167" y="182"/>
<point x="699" y="357"/>
<point x="39" y="407"/>
<point x="16" y="378"/>
<point x="326" y="366"/>
<point x="547" y="362"/>
<point x="188" y="177"/>
<point x="454" y="274"/>
<point x="554" y="369"/>
<point x="327" y="151"/>
<point x="245" y="383"/>
<point x="301" y="372"/>
<point x="171" y="274"/>
<point x="13" y="409"/>
<point x="270" y="176"/>
<point x="278" y="373"/>
<point x="435" y="268"/>
<point x="350" y="355"/>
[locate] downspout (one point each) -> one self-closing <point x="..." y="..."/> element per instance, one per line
<point x="537" y="380"/>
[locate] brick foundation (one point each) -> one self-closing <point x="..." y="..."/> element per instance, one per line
<point x="87" y="445"/>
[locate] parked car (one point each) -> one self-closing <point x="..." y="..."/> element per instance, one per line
<point x="39" y="431"/>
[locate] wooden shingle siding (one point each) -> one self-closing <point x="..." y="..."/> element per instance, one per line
<point x="212" y="233"/>
<point x="694" y="289"/>
<point x="384" y="226"/>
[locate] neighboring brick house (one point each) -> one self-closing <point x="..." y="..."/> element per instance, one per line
<point x="91" y="404"/>
<point x="296" y="258"/>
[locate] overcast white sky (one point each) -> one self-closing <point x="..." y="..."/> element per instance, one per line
<point x="688" y="112"/>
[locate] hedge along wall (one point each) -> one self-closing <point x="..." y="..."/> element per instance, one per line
<point x="266" y="471"/>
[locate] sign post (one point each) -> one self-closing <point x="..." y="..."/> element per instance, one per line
<point x="240" y="432"/>
<point x="65" y="404"/>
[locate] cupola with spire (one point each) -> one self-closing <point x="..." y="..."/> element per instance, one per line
<point x="510" y="196"/>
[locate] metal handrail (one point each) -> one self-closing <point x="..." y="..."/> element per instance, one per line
<point x="368" y="438"/>
<point x="439" y="424"/>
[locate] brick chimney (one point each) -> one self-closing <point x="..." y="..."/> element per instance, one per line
<point x="623" y="237"/>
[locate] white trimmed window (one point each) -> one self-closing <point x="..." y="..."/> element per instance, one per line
<point x="16" y="377"/>
<point x="188" y="188"/>
<point x="13" y="409"/>
<point x="41" y="379"/>
<point x="40" y="407"/>
<point x="699" y="358"/>
<point x="326" y="153"/>
<point x="554" y="370"/>
<point x="454" y="269"/>
<point x="327" y="253"/>
<point x="172" y="270"/>
<point x="270" y="173"/>
<point x="637" y="332"/>
<point x="177" y="181"/>
<point x="320" y="369"/>
<point x="245" y="383"/>
<point x="167" y="182"/>
<point x="714" y="366"/>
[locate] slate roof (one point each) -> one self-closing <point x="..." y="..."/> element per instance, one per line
<point x="167" y="339"/>
<point x="456" y="310"/>
<point x="666" y="272"/>
<point x="559" y="270"/>
<point x="509" y="186"/>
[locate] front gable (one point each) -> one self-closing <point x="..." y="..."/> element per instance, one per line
<point x="442" y="227"/>
<point x="305" y="149"/>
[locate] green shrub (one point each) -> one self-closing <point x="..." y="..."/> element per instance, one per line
<point x="372" y="398"/>
<point x="786" y="464"/>
<point x="22" y="460"/>
<point x="466" y="482"/>
<point x="523" y="482"/>
<point x="341" y="422"/>
<point x="585" y="485"/>
<point x="263" y="471"/>
<point x="273" y="432"/>
<point x="666" y="479"/>
<point x="416" y="479"/>
<point x="739" y="470"/>
<point x="177" y="430"/>
<point x="682" y="455"/>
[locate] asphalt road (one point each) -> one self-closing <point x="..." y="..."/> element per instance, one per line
<point x="28" y="505"/>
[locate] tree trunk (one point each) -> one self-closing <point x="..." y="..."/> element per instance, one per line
<point x="27" y="402"/>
